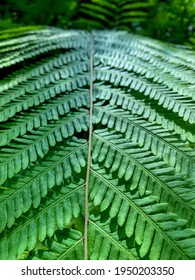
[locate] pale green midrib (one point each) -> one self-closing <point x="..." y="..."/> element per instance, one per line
<point x="86" y="221"/>
<point x="45" y="171"/>
<point x="112" y="240"/>
<point x="150" y="174"/>
<point x="148" y="132"/>
<point x="70" y="249"/>
<point x="139" y="210"/>
<point x="58" y="124"/>
<point x="45" y="209"/>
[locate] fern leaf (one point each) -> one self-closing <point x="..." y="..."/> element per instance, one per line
<point x="63" y="245"/>
<point x="134" y="165"/>
<point x="96" y="142"/>
<point x="146" y="109"/>
<point x="36" y="98"/>
<point x="46" y="220"/>
<point x="41" y="68"/>
<point x="171" y="101"/>
<point x="143" y="217"/>
<point x="35" y="118"/>
<point x="43" y="46"/>
<point x="28" y="189"/>
<point x="106" y="245"/>
<point x="104" y="14"/>
<point x="149" y="135"/>
<point x="23" y="151"/>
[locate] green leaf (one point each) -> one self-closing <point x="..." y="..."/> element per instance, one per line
<point x="96" y="142"/>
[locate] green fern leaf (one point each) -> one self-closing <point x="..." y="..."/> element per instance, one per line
<point x="56" y="214"/>
<point x="28" y="188"/>
<point x="96" y="142"/>
<point x="64" y="245"/>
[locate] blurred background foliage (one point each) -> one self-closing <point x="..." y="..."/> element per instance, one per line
<point x="167" y="20"/>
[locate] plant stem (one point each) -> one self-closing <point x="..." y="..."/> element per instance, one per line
<point x="89" y="151"/>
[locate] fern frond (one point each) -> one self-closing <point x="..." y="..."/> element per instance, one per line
<point x="25" y="150"/>
<point x="63" y="245"/>
<point x="150" y="135"/>
<point x="37" y="117"/>
<point x="18" y="32"/>
<point x="41" y="82"/>
<point x="41" y="68"/>
<point x="141" y="169"/>
<point x="175" y="80"/>
<point x="45" y="44"/>
<point x="144" y="218"/>
<point x="147" y="109"/>
<point x="58" y="212"/>
<point x="101" y="14"/>
<point x="35" y="98"/>
<point x="130" y="193"/>
<point x="27" y="189"/>
<point x="169" y="100"/>
<point x="105" y="244"/>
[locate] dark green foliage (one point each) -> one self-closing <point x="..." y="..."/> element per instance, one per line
<point x="141" y="174"/>
<point x="103" y="14"/>
<point x="173" y="20"/>
<point x="38" y="12"/>
<point x="169" y="20"/>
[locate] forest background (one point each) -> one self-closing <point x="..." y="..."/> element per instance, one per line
<point x="168" y="20"/>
